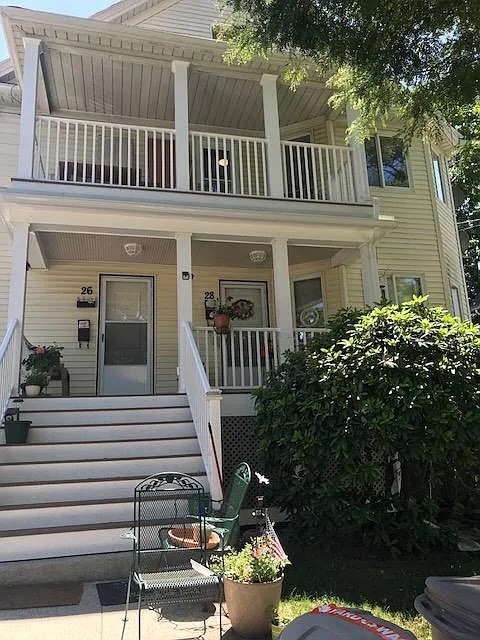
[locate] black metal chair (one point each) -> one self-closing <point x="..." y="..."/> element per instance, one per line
<point x="170" y="546"/>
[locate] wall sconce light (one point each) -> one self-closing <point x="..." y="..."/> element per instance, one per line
<point x="132" y="249"/>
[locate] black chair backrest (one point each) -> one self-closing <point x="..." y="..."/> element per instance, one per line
<point x="169" y="523"/>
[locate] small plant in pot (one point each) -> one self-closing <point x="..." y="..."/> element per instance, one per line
<point x="252" y="582"/>
<point x="34" y="382"/>
<point x="224" y="312"/>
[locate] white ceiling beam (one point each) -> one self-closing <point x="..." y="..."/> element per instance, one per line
<point x="345" y="257"/>
<point x="36" y="254"/>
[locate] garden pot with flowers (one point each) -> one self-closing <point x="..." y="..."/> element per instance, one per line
<point x="223" y="313"/>
<point x="252" y="582"/>
<point x="39" y="365"/>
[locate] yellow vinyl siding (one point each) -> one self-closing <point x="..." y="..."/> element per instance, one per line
<point x="9" y="133"/>
<point x="412" y="247"/>
<point x="51" y="316"/>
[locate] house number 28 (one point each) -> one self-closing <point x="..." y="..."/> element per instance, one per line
<point x="87" y="291"/>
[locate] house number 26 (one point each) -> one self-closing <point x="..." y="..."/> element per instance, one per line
<point x="87" y="291"/>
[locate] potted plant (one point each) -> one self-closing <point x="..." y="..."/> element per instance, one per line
<point x="34" y="382"/>
<point x="223" y="313"/>
<point x="16" y="430"/>
<point x="252" y="582"/>
<point x="40" y="363"/>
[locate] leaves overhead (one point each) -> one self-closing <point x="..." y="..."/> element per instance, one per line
<point x="416" y="57"/>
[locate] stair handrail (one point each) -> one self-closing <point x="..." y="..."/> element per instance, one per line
<point x="8" y="370"/>
<point x="205" y="407"/>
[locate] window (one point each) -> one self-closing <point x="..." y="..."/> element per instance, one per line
<point x="438" y="178"/>
<point x="309" y="305"/>
<point x="386" y="162"/>
<point x="402" y="288"/>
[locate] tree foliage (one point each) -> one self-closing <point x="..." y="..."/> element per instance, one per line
<point x="417" y="58"/>
<point x="403" y="381"/>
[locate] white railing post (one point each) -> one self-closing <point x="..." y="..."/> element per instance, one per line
<point x="204" y="404"/>
<point x="182" y="158"/>
<point x="272" y="134"/>
<point x="184" y="297"/>
<point x="359" y="162"/>
<point x="29" y="108"/>
<point x="283" y="298"/>
<point x="214" y="398"/>
<point x="8" y="357"/>
<point x="16" y="296"/>
<point x="370" y="279"/>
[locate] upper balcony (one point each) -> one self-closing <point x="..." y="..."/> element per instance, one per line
<point x="134" y="111"/>
<point x="117" y="155"/>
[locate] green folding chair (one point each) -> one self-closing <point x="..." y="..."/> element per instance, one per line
<point x="226" y="521"/>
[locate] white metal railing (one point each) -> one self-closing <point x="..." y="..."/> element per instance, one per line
<point x="318" y="172"/>
<point x="9" y="354"/>
<point x="87" y="152"/>
<point x="205" y="407"/>
<point x="302" y="336"/>
<point x="239" y="359"/>
<point x="234" y="165"/>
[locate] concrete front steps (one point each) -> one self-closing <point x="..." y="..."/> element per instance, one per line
<point x="67" y="494"/>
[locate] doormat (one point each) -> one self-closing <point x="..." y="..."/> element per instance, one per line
<point x="33" y="596"/>
<point x="114" y="593"/>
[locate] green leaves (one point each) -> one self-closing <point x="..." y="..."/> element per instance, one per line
<point x="401" y="379"/>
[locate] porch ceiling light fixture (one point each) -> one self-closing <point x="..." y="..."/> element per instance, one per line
<point x="132" y="249"/>
<point x="257" y="255"/>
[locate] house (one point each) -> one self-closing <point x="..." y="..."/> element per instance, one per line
<point x="142" y="178"/>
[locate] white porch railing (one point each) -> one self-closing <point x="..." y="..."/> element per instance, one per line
<point x="302" y="336"/>
<point x="205" y="407"/>
<point x="240" y="359"/>
<point x="318" y="172"/>
<point x="234" y="165"/>
<point x="9" y="351"/>
<point x="109" y="154"/>
<point x="87" y="152"/>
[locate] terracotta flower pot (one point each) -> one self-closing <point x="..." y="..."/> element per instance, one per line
<point x="221" y="323"/>
<point x="250" y="605"/>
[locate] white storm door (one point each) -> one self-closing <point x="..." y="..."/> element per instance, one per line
<point x="125" y="355"/>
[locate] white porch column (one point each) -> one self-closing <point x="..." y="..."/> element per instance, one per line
<point x="29" y="108"/>
<point x="272" y="134"/>
<point x="18" y="282"/>
<point x="182" y="153"/>
<point x="184" y="295"/>
<point x="371" y="282"/>
<point x="359" y="164"/>
<point x="283" y="298"/>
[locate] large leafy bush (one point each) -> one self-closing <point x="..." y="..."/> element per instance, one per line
<point x="400" y="388"/>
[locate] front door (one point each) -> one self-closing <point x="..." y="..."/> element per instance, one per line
<point x="125" y="354"/>
<point x="244" y="352"/>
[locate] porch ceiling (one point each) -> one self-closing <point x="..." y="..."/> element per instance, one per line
<point x="126" y="73"/>
<point x="85" y="247"/>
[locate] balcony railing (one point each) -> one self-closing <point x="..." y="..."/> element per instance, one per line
<point x="116" y="155"/>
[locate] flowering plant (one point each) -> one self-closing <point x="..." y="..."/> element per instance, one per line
<point x="42" y="359"/>
<point x="225" y="308"/>
<point x="255" y="562"/>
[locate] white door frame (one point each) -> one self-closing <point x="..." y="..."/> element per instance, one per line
<point x="104" y="278"/>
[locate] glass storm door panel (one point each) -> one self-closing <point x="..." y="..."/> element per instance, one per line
<point x="309" y="304"/>
<point x="126" y="336"/>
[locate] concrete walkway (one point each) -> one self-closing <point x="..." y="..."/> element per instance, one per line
<point x="90" y="621"/>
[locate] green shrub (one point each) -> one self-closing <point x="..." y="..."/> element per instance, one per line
<point x="400" y="380"/>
